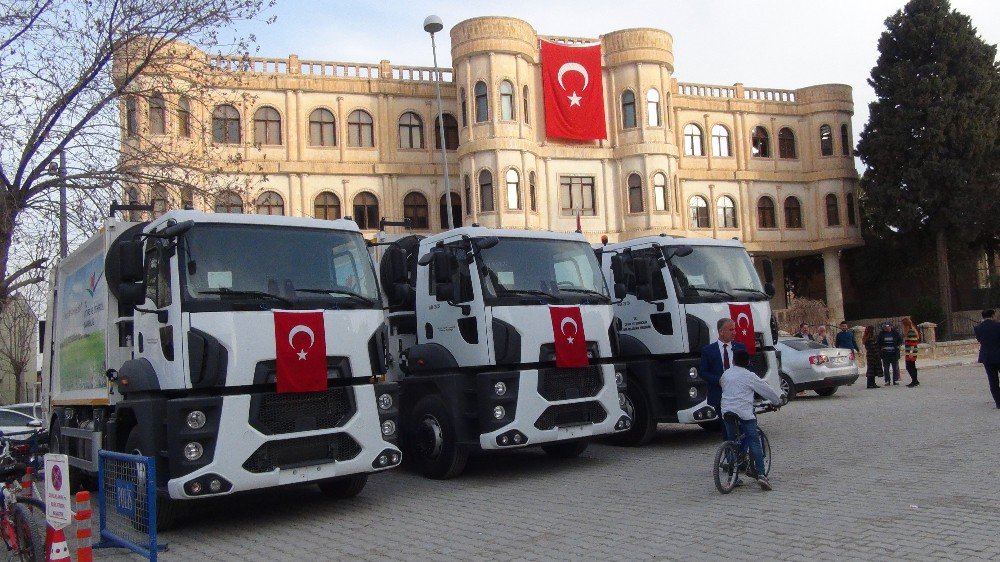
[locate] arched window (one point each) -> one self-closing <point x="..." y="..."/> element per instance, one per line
<point x="465" y="107"/>
<point x="187" y="197"/>
<point x="131" y="118"/>
<point x="720" y="142"/>
<point x="653" y="107"/>
<point x="760" y="143"/>
<point x="634" y="193"/>
<point x="456" y="210"/>
<point x="360" y="129"/>
<point x="692" y="140"/>
<point x="326" y="206"/>
<point x="531" y="191"/>
<point x="660" y="191"/>
<point x="270" y="203"/>
<point x="366" y="211"/>
<point x="450" y="132"/>
<point x="226" y="125"/>
<point x="486" y="192"/>
<point x="513" y="189"/>
<point x="628" y="110"/>
<point x="322" y="128"/>
<point x="468" y="196"/>
<point x="825" y="140"/>
<point x="765" y="213"/>
<point x="482" y="103"/>
<point x="228" y="202"/>
<point x="158" y="199"/>
<point x="267" y="126"/>
<point x="411" y="131"/>
<point x="524" y="100"/>
<point x="415" y="209"/>
<point x="725" y="210"/>
<point x="699" y="212"/>
<point x="845" y="140"/>
<point x="184" y="116"/>
<point x="157" y="114"/>
<point x="132" y="195"/>
<point x="793" y="213"/>
<point x="851" y="218"/>
<point x="506" y="101"/>
<point x="786" y="143"/>
<point x="832" y="210"/>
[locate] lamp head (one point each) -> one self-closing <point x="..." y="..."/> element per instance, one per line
<point x="433" y="24"/>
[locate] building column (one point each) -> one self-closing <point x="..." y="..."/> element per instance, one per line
<point x="780" y="301"/>
<point x="834" y="290"/>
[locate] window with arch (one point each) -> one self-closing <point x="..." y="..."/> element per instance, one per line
<point x="653" y="107"/>
<point x="450" y="132"/>
<point x="793" y="212"/>
<point x="486" y="192"/>
<point x="720" y="142"/>
<point x="692" y="140"/>
<point x="267" y="126"/>
<point x="513" y="189"/>
<point x="360" y="129"/>
<point x="184" y="116"/>
<point x="482" y="103"/>
<point x="270" y="203"/>
<point x="531" y="191"/>
<point x="322" y="128"/>
<point x="228" y="202"/>
<point x="366" y="211"/>
<point x="634" y="193"/>
<point x="411" y="131"/>
<point x="845" y="140"/>
<point x="225" y="124"/>
<point x="725" y="210"/>
<point x="157" y="114"/>
<point x="825" y="140"/>
<point x="851" y="217"/>
<point x="415" y="209"/>
<point x="660" y="191"/>
<point x="131" y="117"/>
<point x="699" y="212"/>
<point x="506" y="101"/>
<point x="786" y="143"/>
<point x="832" y="210"/>
<point x="628" y="110"/>
<point x="456" y="210"/>
<point x="465" y="107"/>
<point x="468" y="196"/>
<point x="158" y="199"/>
<point x="326" y="206"/>
<point x="765" y="213"/>
<point x="524" y="100"/>
<point x="187" y="197"/>
<point x="760" y="143"/>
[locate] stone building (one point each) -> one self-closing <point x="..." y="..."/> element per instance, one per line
<point x="773" y="168"/>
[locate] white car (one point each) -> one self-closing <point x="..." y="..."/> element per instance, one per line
<point x="17" y="426"/>
<point x="807" y="365"/>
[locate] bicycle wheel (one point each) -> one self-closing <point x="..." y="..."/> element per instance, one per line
<point x="725" y="469"/>
<point x="29" y="528"/>
<point x="765" y="446"/>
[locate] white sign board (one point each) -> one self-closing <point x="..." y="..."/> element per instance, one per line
<point x="58" y="508"/>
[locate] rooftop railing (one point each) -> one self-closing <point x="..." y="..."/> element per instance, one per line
<point x="328" y="69"/>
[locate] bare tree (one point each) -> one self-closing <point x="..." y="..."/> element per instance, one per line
<point x="18" y="343"/>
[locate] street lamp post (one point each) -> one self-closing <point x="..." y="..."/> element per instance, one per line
<point x="432" y="24"/>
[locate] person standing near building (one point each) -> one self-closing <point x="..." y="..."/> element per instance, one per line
<point x="911" y="339"/>
<point x="889" y="342"/>
<point x="716" y="357"/>
<point x="845" y="338"/>
<point x="873" y="356"/>
<point x="804" y="332"/>
<point x="821" y="337"/>
<point x="988" y="334"/>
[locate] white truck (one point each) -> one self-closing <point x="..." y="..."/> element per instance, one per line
<point x="177" y="339"/>
<point x="479" y="322"/>
<point x="677" y="289"/>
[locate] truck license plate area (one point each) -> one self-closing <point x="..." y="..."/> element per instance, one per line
<point x="564" y="415"/>
<point x="304" y="451"/>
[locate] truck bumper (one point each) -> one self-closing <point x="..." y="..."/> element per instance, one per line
<point x="700" y="413"/>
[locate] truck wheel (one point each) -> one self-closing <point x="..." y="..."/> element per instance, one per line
<point x="787" y="386"/>
<point x="167" y="509"/>
<point x="826" y="391"/>
<point x="344" y="487"/>
<point x="433" y="440"/>
<point x="569" y="450"/>
<point x="638" y="408"/>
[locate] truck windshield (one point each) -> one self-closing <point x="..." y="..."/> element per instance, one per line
<point x="519" y="269"/>
<point x="715" y="273"/>
<point x="226" y="266"/>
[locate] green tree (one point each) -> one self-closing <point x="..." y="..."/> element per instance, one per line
<point x="932" y="142"/>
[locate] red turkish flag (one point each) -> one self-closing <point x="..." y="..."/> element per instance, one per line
<point x="574" y="92"/>
<point x="300" y="350"/>
<point x="743" y="317"/>
<point x="570" y="339"/>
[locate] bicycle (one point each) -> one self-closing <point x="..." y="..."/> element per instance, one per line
<point x="22" y="514"/>
<point x="730" y="461"/>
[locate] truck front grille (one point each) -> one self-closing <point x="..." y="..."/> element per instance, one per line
<point x="567" y="384"/>
<point x="302" y="451"/>
<point x="579" y="413"/>
<point x="274" y="414"/>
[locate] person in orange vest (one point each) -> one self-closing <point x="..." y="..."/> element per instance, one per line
<point x="911" y="338"/>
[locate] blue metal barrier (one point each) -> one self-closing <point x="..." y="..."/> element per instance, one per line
<point x="126" y="487"/>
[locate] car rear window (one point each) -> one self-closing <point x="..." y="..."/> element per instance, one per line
<point x="804" y="345"/>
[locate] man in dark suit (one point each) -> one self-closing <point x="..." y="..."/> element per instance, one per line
<point x="716" y="357"/>
<point x="988" y="334"/>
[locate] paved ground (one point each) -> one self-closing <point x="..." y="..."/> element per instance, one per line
<point x="894" y="473"/>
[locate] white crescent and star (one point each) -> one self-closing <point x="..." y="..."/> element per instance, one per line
<point x="562" y="328"/>
<point x="574" y="99"/>
<point x="305" y="330"/>
<point x="743" y="316"/>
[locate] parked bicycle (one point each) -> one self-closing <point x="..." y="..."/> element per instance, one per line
<point x="733" y="457"/>
<point x="22" y="513"/>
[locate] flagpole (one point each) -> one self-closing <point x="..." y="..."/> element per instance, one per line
<point x="433" y="24"/>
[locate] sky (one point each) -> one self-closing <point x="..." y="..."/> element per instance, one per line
<point x="784" y="44"/>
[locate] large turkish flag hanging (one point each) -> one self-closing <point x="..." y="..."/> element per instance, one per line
<point x="742" y="316"/>
<point x="574" y="92"/>
<point x="300" y="350"/>
<point x="569" y="337"/>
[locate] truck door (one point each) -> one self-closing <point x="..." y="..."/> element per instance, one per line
<point x="651" y="312"/>
<point x="457" y="323"/>
<point x="158" y="321"/>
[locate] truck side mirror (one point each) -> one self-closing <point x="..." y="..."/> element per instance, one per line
<point x="442" y="267"/>
<point x="131" y="260"/>
<point x="620" y="291"/>
<point x="641" y="269"/>
<point x="768" y="270"/>
<point x="444" y="291"/>
<point x="131" y="294"/>
<point x="487" y="242"/>
<point x="769" y="289"/>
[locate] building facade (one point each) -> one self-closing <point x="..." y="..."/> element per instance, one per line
<point x="773" y="168"/>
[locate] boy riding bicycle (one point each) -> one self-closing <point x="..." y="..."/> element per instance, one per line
<point x="738" y="387"/>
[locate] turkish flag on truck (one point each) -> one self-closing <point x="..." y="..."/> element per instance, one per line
<point x="574" y="92"/>
<point x="570" y="339"/>
<point x="300" y="350"/>
<point x="743" y="318"/>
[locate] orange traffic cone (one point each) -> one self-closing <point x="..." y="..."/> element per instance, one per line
<point x="59" y="549"/>
<point x="26" y="481"/>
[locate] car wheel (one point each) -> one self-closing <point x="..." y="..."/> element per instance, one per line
<point x="826" y="391"/>
<point x="787" y="386"/>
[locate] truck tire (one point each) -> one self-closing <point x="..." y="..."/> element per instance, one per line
<point x="433" y="440"/>
<point x="826" y="391"/>
<point x="569" y="450"/>
<point x="344" y="487"/>
<point x="167" y="509"/>
<point x="29" y="528"/>
<point x="787" y="386"/>
<point x="637" y="406"/>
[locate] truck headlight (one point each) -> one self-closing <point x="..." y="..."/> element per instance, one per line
<point x="196" y="419"/>
<point x="692" y="392"/>
<point x="385" y="402"/>
<point x="388" y="427"/>
<point x="693" y="372"/>
<point x="193" y="451"/>
<point x="500" y="388"/>
<point x="499" y="412"/>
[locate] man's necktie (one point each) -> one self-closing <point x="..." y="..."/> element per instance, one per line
<point x="725" y="356"/>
